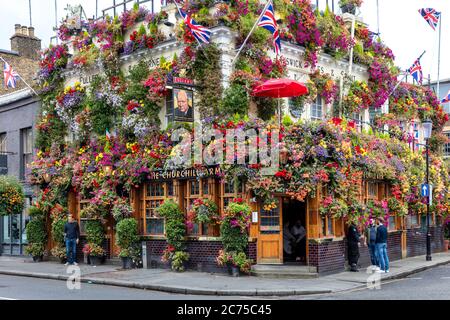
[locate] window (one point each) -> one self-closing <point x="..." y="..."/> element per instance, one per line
<point x="2" y="143"/>
<point x="373" y="113"/>
<point x="447" y="146"/>
<point x="412" y="221"/>
<point x="197" y="189"/>
<point x="372" y="190"/>
<point x="327" y="226"/>
<point x="229" y="191"/>
<point x="392" y="223"/>
<point x="316" y="109"/>
<point x="155" y="193"/>
<point x="27" y="149"/>
<point x="83" y="204"/>
<point x="270" y="221"/>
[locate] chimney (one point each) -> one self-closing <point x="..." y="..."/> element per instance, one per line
<point x="25" y="42"/>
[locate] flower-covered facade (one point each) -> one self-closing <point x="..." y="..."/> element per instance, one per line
<point x="116" y="92"/>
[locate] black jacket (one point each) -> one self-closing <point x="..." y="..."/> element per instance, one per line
<point x="382" y="234"/>
<point x="72" y="230"/>
<point x="353" y="234"/>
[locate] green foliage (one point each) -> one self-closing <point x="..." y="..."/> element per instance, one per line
<point x="35" y="212"/>
<point x="102" y="114"/>
<point x="287" y="121"/>
<point x="95" y="233"/>
<point x="266" y="107"/>
<point x="127" y="236"/>
<point x="209" y="80"/>
<point x="11" y="196"/>
<point x="235" y="100"/>
<point x="35" y="249"/>
<point x="36" y="231"/>
<point x="259" y="35"/>
<point x="58" y="231"/>
<point x="233" y="230"/>
<point x="175" y="226"/>
<point x="178" y="260"/>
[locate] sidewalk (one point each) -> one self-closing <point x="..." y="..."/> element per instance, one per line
<point x="195" y="283"/>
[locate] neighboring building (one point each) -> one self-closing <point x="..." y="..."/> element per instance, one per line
<point x="18" y="111"/>
<point x="444" y="88"/>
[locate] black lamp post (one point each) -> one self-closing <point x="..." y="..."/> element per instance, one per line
<point x="427" y="129"/>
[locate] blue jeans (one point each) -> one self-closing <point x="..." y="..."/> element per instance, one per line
<point x="373" y="254"/>
<point x="71" y="250"/>
<point x="382" y="256"/>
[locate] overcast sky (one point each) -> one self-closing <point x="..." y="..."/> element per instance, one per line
<point x="401" y="26"/>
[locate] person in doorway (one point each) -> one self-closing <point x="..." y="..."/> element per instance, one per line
<point x="381" y="245"/>
<point x="353" y="238"/>
<point x="288" y="240"/>
<point x="299" y="233"/>
<point x="371" y="237"/>
<point x="72" y="237"/>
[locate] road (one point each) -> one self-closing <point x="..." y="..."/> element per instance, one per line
<point x="433" y="284"/>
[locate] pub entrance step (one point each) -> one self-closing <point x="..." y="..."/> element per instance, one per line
<point x="284" y="271"/>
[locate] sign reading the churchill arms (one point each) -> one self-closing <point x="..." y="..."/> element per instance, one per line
<point x="191" y="173"/>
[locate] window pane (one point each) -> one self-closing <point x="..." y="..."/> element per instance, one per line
<point x="195" y="188"/>
<point x="330" y="227"/>
<point x="392" y="225"/>
<point x="6" y="236"/>
<point x="316" y="109"/>
<point x="270" y="221"/>
<point x="170" y="189"/>
<point x="27" y="141"/>
<point x="3" y="142"/>
<point x="205" y="187"/>
<point x="324" y="226"/>
<point x="155" y="226"/>
<point x="447" y="146"/>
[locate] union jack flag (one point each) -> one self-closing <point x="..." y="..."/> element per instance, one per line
<point x="447" y="98"/>
<point x="201" y="33"/>
<point x="269" y="22"/>
<point x="10" y="76"/>
<point x="431" y="16"/>
<point x="416" y="71"/>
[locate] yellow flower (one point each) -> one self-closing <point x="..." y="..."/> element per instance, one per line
<point x="99" y="157"/>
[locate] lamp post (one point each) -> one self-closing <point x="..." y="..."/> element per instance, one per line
<point x="427" y="129"/>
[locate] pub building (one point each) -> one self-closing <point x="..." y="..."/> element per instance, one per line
<point x="325" y="245"/>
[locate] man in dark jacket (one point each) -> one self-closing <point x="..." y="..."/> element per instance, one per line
<point x="72" y="237"/>
<point x="353" y="238"/>
<point x="371" y="238"/>
<point x="381" y="244"/>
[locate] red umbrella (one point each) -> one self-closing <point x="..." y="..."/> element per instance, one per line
<point x="280" y="88"/>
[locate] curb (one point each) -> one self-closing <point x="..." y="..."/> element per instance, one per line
<point x="208" y="292"/>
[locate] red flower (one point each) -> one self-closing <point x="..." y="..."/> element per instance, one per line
<point x="337" y="121"/>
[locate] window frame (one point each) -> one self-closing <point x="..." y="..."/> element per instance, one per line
<point x="3" y="142"/>
<point x="26" y="156"/>
<point x="189" y="198"/>
<point x="145" y="198"/>
<point x="318" y="103"/>
<point x="230" y="196"/>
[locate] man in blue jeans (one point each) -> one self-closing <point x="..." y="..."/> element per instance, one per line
<point x="381" y="244"/>
<point x="72" y="237"/>
<point x="371" y="238"/>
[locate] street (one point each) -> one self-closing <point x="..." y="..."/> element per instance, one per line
<point x="433" y="284"/>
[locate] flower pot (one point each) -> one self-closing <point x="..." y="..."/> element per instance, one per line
<point x="127" y="263"/>
<point x="95" y="261"/>
<point x="38" y="258"/>
<point x="348" y="8"/>
<point x="446" y="245"/>
<point x="235" y="271"/>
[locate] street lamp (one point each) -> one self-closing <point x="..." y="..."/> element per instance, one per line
<point x="427" y="129"/>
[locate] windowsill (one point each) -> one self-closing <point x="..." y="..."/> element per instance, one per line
<point x="327" y="239"/>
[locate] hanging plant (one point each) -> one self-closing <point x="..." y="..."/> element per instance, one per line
<point x="11" y="196"/>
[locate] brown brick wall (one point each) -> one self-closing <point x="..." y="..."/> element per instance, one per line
<point x="416" y="241"/>
<point x="26" y="68"/>
<point x="202" y="254"/>
<point x="328" y="257"/>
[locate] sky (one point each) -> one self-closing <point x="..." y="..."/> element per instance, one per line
<point x="401" y="26"/>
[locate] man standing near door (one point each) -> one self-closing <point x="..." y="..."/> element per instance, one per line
<point x="72" y="237"/>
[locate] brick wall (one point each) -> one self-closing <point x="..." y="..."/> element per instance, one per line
<point x="328" y="257"/>
<point x="202" y="254"/>
<point x="416" y="241"/>
<point x="331" y="257"/>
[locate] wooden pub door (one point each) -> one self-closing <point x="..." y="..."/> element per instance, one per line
<point x="270" y="237"/>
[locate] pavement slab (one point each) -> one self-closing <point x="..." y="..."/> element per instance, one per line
<point x="208" y="284"/>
